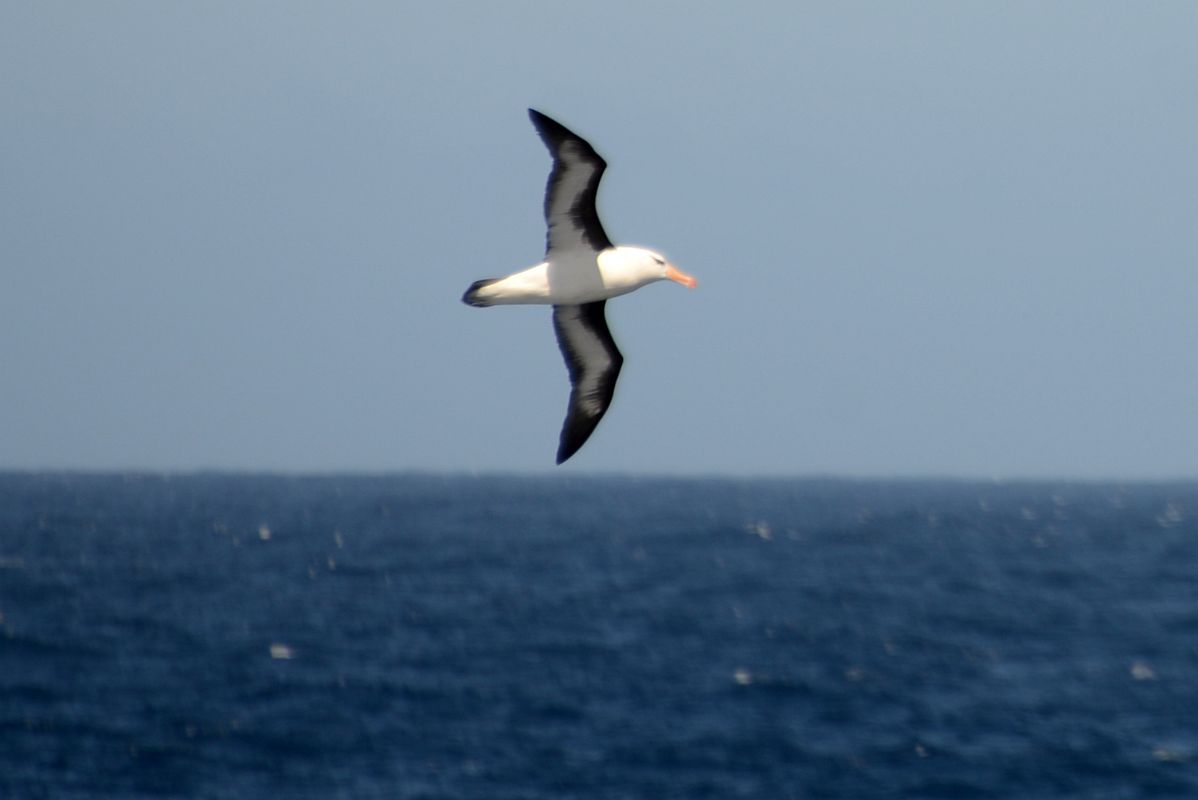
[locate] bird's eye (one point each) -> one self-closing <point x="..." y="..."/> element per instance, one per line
<point x="659" y="261"/>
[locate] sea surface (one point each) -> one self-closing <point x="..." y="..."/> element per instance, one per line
<point x="406" y="636"/>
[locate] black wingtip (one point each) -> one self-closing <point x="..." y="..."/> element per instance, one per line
<point x="550" y="130"/>
<point x="575" y="435"/>
<point x="565" y="450"/>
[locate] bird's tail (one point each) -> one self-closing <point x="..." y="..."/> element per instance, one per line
<point x="475" y="296"/>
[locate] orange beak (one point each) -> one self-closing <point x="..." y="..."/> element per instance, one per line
<point x="678" y="276"/>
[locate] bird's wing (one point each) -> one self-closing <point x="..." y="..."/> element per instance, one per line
<point x="570" y="194"/>
<point x="594" y="362"/>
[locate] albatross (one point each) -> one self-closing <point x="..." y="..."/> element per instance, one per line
<point x="581" y="271"/>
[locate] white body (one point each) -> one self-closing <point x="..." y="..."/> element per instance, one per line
<point x="579" y="276"/>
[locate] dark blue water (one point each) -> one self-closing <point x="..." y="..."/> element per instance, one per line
<point x="426" y="637"/>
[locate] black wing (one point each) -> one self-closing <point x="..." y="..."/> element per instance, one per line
<point x="570" y="194"/>
<point x="594" y="362"/>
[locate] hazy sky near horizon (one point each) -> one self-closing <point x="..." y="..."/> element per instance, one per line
<point x="931" y="238"/>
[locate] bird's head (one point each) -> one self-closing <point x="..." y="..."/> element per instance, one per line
<point x="645" y="266"/>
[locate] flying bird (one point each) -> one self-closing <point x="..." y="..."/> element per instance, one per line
<point x="581" y="271"/>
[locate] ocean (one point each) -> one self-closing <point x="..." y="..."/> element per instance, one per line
<point x="417" y="636"/>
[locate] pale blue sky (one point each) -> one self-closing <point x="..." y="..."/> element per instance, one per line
<point x="931" y="238"/>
